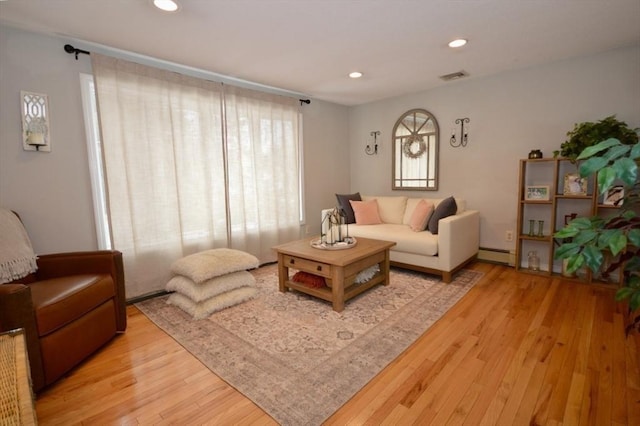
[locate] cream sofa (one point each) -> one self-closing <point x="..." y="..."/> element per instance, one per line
<point x="456" y="243"/>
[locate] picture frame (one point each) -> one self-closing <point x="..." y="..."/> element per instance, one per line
<point x="537" y="193"/>
<point x="613" y="196"/>
<point x="574" y="184"/>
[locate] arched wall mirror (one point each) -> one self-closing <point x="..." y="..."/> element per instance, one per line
<point x="415" y="140"/>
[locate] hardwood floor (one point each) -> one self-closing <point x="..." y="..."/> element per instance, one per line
<point x="517" y="350"/>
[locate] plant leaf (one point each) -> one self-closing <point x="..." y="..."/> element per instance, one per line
<point x="586" y="236"/>
<point x="592" y="165"/>
<point x="618" y="243"/>
<point x="635" y="151"/>
<point x="634" y="237"/>
<point x="566" y="232"/>
<point x="591" y="150"/>
<point x="567" y="250"/>
<point x="626" y="169"/>
<point x="606" y="177"/>
<point x="616" y="152"/>
<point x="575" y="263"/>
<point x="593" y="257"/>
<point x="634" y="301"/>
<point x="624" y="293"/>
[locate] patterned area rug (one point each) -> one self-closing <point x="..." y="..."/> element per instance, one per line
<point x="298" y="359"/>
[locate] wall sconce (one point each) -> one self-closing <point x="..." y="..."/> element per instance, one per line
<point x="371" y="150"/>
<point x="464" y="133"/>
<point x="35" y="121"/>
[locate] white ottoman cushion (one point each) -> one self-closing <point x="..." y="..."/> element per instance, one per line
<point x="213" y="263"/>
<point x="209" y="288"/>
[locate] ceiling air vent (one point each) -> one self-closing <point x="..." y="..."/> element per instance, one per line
<point x="454" y="76"/>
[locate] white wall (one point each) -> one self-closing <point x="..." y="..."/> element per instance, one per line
<point x="326" y="158"/>
<point x="52" y="191"/>
<point x="511" y="114"/>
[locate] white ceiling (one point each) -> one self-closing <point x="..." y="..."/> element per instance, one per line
<point x="309" y="46"/>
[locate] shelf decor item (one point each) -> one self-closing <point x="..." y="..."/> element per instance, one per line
<point x="334" y="228"/>
<point x="535" y="153"/>
<point x="574" y="184"/>
<point x="537" y="193"/>
<point x="540" y="228"/>
<point x="613" y="196"/>
<point x="531" y="227"/>
<point x="533" y="261"/>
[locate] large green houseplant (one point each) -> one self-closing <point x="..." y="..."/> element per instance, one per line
<point x="608" y="244"/>
<point x="588" y="134"/>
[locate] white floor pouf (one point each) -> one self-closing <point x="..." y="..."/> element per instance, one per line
<point x="212" y="280"/>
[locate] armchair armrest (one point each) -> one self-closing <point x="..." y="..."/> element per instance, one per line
<point x="88" y="262"/>
<point x="16" y="311"/>
<point x="458" y="238"/>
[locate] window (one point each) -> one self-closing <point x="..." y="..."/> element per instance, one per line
<point x="189" y="165"/>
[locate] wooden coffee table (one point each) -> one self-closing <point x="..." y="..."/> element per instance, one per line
<point x="338" y="267"/>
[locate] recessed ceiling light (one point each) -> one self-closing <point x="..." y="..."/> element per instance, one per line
<point x="459" y="42"/>
<point x="166" y="5"/>
<point x="355" y="74"/>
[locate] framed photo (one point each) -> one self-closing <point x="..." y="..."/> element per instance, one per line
<point x="574" y="184"/>
<point x="537" y="193"/>
<point x="613" y="196"/>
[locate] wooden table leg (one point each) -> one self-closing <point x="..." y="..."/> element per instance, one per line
<point x="337" y="288"/>
<point x="283" y="274"/>
<point x="386" y="267"/>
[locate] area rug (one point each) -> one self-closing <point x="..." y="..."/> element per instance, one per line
<point x="294" y="356"/>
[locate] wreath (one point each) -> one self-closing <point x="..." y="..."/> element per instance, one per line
<point x="408" y="144"/>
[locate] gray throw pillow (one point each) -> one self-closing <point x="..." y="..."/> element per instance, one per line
<point x="446" y="208"/>
<point x="345" y="205"/>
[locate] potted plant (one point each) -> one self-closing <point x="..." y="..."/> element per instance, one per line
<point x="588" y="134"/>
<point x="608" y="244"/>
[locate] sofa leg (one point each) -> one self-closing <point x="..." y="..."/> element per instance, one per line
<point x="447" y="277"/>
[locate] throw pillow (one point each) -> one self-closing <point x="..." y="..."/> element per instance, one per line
<point x="366" y="212"/>
<point x="446" y="208"/>
<point x="421" y="215"/>
<point x="310" y="280"/>
<point x="343" y="203"/>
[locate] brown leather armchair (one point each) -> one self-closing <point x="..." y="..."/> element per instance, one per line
<point x="70" y="307"/>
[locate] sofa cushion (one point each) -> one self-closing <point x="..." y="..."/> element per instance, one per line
<point x="60" y="301"/>
<point x="446" y="208"/>
<point x="345" y="205"/>
<point x="391" y="209"/>
<point x="366" y="212"/>
<point x="407" y="241"/>
<point x="420" y="216"/>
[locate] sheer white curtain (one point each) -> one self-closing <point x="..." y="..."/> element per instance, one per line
<point x="164" y="148"/>
<point x="262" y="156"/>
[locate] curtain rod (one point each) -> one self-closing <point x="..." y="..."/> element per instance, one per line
<point x="74" y="50"/>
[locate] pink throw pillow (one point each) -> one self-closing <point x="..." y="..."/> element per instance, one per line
<point x="366" y="212"/>
<point x="420" y="216"/>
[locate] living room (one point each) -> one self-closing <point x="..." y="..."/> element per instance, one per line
<point x="511" y="113"/>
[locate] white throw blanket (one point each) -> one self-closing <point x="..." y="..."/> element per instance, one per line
<point x="17" y="258"/>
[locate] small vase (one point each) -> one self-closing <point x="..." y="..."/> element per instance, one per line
<point x="540" y="228"/>
<point x="532" y="224"/>
<point x="533" y="261"/>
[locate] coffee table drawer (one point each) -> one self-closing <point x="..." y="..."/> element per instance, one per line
<point x="313" y="267"/>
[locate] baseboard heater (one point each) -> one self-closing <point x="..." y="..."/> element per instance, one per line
<point x="492" y="255"/>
